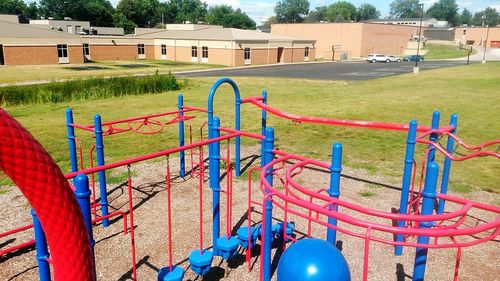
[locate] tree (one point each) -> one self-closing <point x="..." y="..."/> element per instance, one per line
<point x="291" y="10"/>
<point x="405" y="9"/>
<point x="15" y="7"/>
<point x="121" y="21"/>
<point x="318" y="15"/>
<point x="225" y="15"/>
<point x="193" y="11"/>
<point x="98" y="12"/>
<point x="341" y="11"/>
<point x="444" y="10"/>
<point x="366" y="12"/>
<point x="266" y="26"/>
<point x="32" y="10"/>
<point x="466" y="17"/>
<point x="488" y="17"/>
<point x="141" y="12"/>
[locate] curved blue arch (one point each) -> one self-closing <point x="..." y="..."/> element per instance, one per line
<point x="237" y="104"/>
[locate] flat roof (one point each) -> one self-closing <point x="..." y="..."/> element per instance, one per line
<point x="16" y="30"/>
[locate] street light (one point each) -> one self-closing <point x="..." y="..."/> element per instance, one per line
<point x="415" y="69"/>
<point x="486" y="43"/>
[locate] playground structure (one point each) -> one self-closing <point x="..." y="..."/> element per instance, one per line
<point x="418" y="218"/>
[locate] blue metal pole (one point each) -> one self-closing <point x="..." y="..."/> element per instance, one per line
<point x="71" y="140"/>
<point x="42" y="252"/>
<point x="214" y="170"/>
<point x="268" y="239"/>
<point x="334" y="190"/>
<point x="447" y="163"/>
<point x="237" y="103"/>
<point x="180" y="105"/>
<point x="429" y="195"/>
<point x="407" y="174"/>
<point x="263" y="126"/>
<point x="99" y="149"/>
<point x="433" y="137"/>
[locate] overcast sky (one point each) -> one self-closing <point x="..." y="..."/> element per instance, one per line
<point x="262" y="9"/>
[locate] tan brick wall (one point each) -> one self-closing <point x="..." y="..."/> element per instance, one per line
<point x="477" y="34"/>
<point x="263" y="56"/>
<point x="239" y="57"/>
<point x="355" y="39"/>
<point x="114" y="52"/>
<point x="219" y="56"/>
<point x="385" y="39"/>
<point x="298" y="54"/>
<point x="75" y="54"/>
<point x="150" y="52"/>
<point x="23" y="55"/>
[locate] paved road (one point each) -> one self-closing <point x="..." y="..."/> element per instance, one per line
<point x="326" y="71"/>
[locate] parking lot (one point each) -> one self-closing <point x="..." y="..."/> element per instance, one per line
<point x="361" y="70"/>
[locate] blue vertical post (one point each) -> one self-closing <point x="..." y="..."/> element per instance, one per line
<point x="407" y="175"/>
<point x="268" y="239"/>
<point x="42" y="252"/>
<point x="180" y="105"/>
<point x="447" y="163"/>
<point x="99" y="149"/>
<point x="237" y="141"/>
<point x="433" y="137"/>
<point x="263" y="126"/>
<point x="71" y="140"/>
<point x="214" y="170"/>
<point x="334" y="190"/>
<point x="429" y="195"/>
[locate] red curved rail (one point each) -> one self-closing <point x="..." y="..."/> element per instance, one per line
<point x="43" y="184"/>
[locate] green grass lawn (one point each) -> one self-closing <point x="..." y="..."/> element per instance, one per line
<point x="470" y="91"/>
<point x="10" y="74"/>
<point x="442" y="51"/>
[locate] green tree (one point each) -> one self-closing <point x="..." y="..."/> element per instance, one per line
<point x="121" y="21"/>
<point x="341" y="11"/>
<point x="366" y="12"/>
<point x="98" y="12"/>
<point x="15" y="7"/>
<point x="193" y="11"/>
<point x="225" y="15"/>
<point x="405" y="9"/>
<point x="466" y="17"/>
<point x="144" y="13"/>
<point x="32" y="10"/>
<point x="488" y="17"/>
<point x="317" y="15"/>
<point x="291" y="10"/>
<point x="444" y="10"/>
<point x="266" y="26"/>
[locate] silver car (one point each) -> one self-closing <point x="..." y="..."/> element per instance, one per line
<point x="394" y="58"/>
<point x="378" y="58"/>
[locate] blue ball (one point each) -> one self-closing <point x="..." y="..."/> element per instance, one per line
<point x="313" y="259"/>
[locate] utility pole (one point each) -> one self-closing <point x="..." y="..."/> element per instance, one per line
<point x="486" y="44"/>
<point x="415" y="69"/>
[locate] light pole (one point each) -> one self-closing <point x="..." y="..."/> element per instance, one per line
<point x="486" y="43"/>
<point x="415" y="69"/>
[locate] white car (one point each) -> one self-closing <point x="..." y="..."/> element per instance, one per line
<point x="378" y="58"/>
<point x="394" y="58"/>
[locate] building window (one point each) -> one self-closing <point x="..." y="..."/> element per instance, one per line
<point x="62" y="53"/>
<point x="140" y="49"/>
<point x="194" y="54"/>
<point x="69" y="29"/>
<point x="247" y="53"/>
<point x="204" y="52"/>
<point x="78" y="29"/>
<point x="306" y="52"/>
<point x="163" y="50"/>
<point x="86" y="49"/>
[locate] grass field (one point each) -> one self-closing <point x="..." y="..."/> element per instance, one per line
<point x="442" y="51"/>
<point x="11" y="74"/>
<point x="470" y="91"/>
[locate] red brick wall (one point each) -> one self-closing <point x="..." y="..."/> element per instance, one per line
<point x="23" y="55"/>
<point x="115" y="52"/>
<point x="75" y="54"/>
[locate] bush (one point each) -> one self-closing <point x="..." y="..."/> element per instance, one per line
<point x="88" y="89"/>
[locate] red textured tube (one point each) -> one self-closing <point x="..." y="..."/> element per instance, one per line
<point x="41" y="181"/>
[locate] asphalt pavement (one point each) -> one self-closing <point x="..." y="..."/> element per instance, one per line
<point x="360" y="70"/>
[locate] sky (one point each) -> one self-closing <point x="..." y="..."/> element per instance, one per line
<point x="260" y="10"/>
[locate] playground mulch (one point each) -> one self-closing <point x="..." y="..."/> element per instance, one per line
<point x="112" y="248"/>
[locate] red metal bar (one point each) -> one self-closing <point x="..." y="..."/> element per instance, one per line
<point x="193" y="108"/>
<point x="17" y="247"/>
<point x="113" y="214"/>
<point x="367" y="253"/>
<point x="132" y="226"/>
<point x="169" y="214"/>
<point x="16" y="230"/>
<point x="336" y="122"/>
<point x="200" y="184"/>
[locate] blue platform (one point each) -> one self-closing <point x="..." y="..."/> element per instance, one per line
<point x="243" y="236"/>
<point x="201" y="262"/>
<point x="176" y="274"/>
<point x="227" y="247"/>
<point x="289" y="230"/>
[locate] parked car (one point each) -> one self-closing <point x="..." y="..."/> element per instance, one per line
<point x="414" y="58"/>
<point x="394" y="58"/>
<point x="378" y="58"/>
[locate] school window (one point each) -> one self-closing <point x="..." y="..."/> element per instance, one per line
<point x="306" y="52"/>
<point x="194" y="51"/>
<point x="247" y="53"/>
<point x="164" y="50"/>
<point x="86" y="49"/>
<point x="204" y="52"/>
<point x="140" y="49"/>
<point x="62" y="51"/>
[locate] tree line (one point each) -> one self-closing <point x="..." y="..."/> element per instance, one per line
<point x="129" y="13"/>
<point x="295" y="11"/>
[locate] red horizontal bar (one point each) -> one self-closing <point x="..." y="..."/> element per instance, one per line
<point x="245" y="100"/>
<point x="16" y="230"/>
<point x="242" y="133"/>
<point x="336" y="122"/>
<point x="17" y="247"/>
